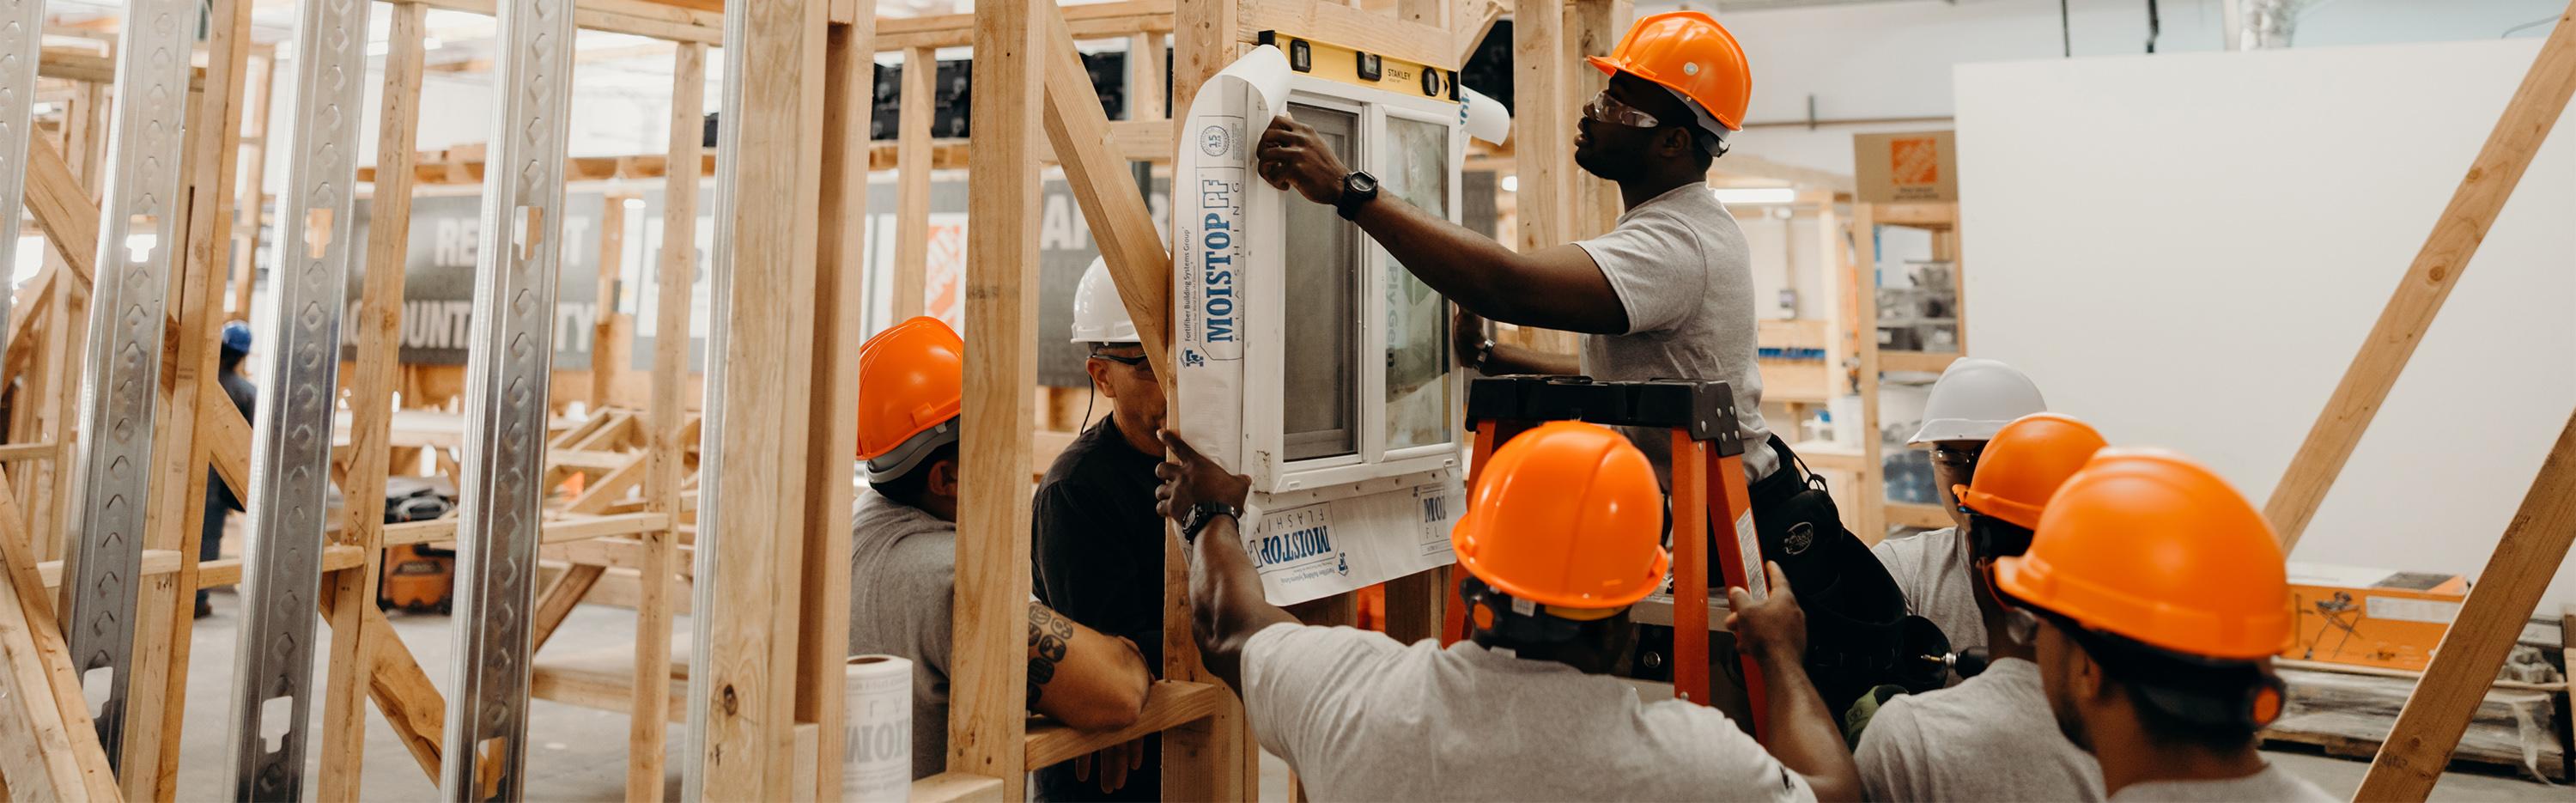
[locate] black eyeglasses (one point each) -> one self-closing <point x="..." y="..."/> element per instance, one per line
<point x="1137" y="361"/>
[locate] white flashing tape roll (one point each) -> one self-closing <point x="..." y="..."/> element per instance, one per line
<point x="1210" y="239"/>
<point x="876" y="762"/>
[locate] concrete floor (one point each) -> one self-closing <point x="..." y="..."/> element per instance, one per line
<point x="578" y="754"/>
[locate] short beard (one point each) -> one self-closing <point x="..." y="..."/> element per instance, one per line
<point x="1593" y="164"/>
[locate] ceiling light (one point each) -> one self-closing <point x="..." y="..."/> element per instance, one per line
<point x="1755" y="195"/>
<point x="1512" y="183"/>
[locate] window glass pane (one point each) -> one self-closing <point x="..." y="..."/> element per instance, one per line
<point x="1417" y="356"/>
<point x="1319" y="413"/>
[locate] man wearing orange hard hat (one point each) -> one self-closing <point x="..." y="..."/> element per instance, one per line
<point x="1943" y="744"/>
<point x="1562" y="534"/>
<point x="2155" y="598"/>
<point x="903" y="553"/>
<point x="1667" y="293"/>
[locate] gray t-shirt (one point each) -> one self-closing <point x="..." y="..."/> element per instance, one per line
<point x="1989" y="738"/>
<point x="1680" y="267"/>
<point x="1932" y="569"/>
<point x="1361" y="717"/>
<point x="903" y="575"/>
<point x="2272" y="785"/>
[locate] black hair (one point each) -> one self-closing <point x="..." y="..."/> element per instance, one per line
<point x="908" y="489"/>
<point x="230" y="359"/>
<point x="2181" y="699"/>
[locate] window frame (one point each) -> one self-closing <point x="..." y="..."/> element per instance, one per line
<point x="1264" y="439"/>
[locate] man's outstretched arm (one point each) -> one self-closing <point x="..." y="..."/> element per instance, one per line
<point x="1226" y="603"/>
<point x="1557" y="287"/>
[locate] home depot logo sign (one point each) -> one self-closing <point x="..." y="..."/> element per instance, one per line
<point x="1920" y="167"/>
<point x="1914" y="161"/>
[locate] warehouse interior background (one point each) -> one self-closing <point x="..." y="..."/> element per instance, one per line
<point x="2180" y="243"/>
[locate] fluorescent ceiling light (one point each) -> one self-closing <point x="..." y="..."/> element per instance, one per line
<point x="1755" y="195"/>
<point x="1512" y="183"/>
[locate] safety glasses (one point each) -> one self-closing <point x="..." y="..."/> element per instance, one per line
<point x="1955" y="458"/>
<point x="1137" y="362"/>
<point x="1607" y="109"/>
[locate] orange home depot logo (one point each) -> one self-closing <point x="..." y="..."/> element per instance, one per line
<point x="1914" y="161"/>
<point x="946" y="274"/>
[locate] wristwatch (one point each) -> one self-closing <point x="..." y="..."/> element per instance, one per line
<point x="1358" y="189"/>
<point x="1201" y="514"/>
<point x="1484" y="352"/>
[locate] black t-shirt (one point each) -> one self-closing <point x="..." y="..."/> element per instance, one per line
<point x="1098" y="560"/>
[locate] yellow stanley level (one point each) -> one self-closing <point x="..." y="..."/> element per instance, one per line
<point x="1338" y="63"/>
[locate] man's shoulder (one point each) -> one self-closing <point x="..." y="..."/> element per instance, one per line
<point x="1913" y="549"/>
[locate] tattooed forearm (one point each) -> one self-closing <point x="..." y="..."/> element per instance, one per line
<point x="1049" y="634"/>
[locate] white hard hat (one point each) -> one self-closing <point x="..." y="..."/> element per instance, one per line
<point x="1098" y="315"/>
<point x="1974" y="398"/>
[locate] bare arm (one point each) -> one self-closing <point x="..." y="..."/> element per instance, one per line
<point x="1226" y="603"/>
<point x="1798" y="729"/>
<point x="1557" y="287"/>
<point x="1082" y="678"/>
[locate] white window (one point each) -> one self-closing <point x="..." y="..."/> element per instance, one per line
<point x="1369" y="386"/>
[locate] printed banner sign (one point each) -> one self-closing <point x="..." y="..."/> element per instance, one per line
<point x="1318" y="550"/>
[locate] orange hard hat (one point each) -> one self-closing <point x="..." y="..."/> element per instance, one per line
<point x="912" y="380"/>
<point x="2024" y="463"/>
<point x="2152" y="546"/>
<point x="1567" y="514"/>
<point x="1689" y="53"/>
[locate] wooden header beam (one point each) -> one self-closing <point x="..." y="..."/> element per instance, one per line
<point x="1354" y="28"/>
<point x="636" y="17"/>
<point x="1095" y="21"/>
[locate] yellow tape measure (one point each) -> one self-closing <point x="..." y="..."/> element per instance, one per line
<point x="1338" y="63"/>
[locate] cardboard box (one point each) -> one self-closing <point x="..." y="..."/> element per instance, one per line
<point x="1920" y="167"/>
<point x="2371" y="617"/>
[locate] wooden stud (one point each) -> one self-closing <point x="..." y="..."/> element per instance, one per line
<point x="663" y="440"/>
<point x="63" y="209"/>
<point x="2535" y="107"/>
<point x="165" y="615"/>
<point x="557" y="603"/>
<point x="245" y="262"/>
<point x="1590" y="28"/>
<point x="1106" y="191"/>
<point x="44" y="690"/>
<point x="1145" y="79"/>
<point x="2464" y="665"/>
<point x="840" y="296"/>
<point x="760" y="379"/>
<point x="1860" y="296"/>
<point x="1542" y="161"/>
<point x="1209" y="759"/>
<point x="379" y="351"/>
<point x="607" y="358"/>
<point x="988" y="695"/>
<point x="912" y="183"/>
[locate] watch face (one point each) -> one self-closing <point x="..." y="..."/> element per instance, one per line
<point x="1363" y="182"/>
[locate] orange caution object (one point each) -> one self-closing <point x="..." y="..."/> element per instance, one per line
<point x="912" y="382"/>
<point x="1689" y="53"/>
<point x="1566" y="515"/>
<point x="2155" y="547"/>
<point x="2023" y="465"/>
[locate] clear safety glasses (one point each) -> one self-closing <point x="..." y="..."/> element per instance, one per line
<point x="1607" y="109"/>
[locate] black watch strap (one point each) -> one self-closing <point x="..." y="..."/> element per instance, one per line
<point x="1201" y="514"/>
